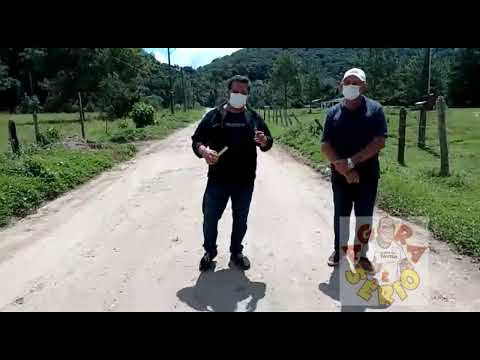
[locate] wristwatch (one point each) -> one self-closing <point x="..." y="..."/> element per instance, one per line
<point x="350" y="163"/>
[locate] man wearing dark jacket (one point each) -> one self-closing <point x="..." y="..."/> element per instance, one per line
<point x="227" y="138"/>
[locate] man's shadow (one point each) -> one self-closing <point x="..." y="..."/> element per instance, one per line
<point x="221" y="291"/>
<point x="332" y="289"/>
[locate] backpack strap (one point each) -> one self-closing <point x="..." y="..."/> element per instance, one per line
<point x="251" y="117"/>
<point x="221" y="113"/>
<point x="217" y="115"/>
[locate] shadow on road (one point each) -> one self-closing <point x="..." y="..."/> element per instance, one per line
<point x="222" y="291"/>
<point x="332" y="289"/>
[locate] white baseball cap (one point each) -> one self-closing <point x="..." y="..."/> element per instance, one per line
<point x="359" y="73"/>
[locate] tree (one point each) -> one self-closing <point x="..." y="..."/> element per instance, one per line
<point x="258" y="95"/>
<point x="117" y="96"/>
<point x="9" y="89"/>
<point x="381" y="66"/>
<point x="464" y="87"/>
<point x="396" y="76"/>
<point x="3" y="77"/>
<point x="285" y="74"/>
<point x="313" y="88"/>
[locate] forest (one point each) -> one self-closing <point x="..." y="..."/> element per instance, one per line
<point x="111" y="80"/>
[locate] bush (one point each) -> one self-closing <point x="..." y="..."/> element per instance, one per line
<point x="53" y="134"/>
<point x="28" y="104"/>
<point x="123" y="124"/>
<point x="123" y="136"/>
<point x="142" y="114"/>
<point x="50" y="136"/>
<point x="117" y="97"/>
<point x="67" y="108"/>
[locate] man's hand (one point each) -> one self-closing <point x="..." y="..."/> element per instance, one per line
<point x="261" y="139"/>
<point x="342" y="166"/>
<point x="352" y="177"/>
<point x="210" y="156"/>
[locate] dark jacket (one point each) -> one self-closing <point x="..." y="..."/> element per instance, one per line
<point x="220" y="128"/>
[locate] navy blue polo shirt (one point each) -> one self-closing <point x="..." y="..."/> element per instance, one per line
<point x="349" y="132"/>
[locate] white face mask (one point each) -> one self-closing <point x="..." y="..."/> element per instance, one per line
<point x="238" y="101"/>
<point x="351" y="92"/>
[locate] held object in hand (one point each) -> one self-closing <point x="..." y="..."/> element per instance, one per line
<point x="257" y="138"/>
<point x="223" y="151"/>
<point x="350" y="163"/>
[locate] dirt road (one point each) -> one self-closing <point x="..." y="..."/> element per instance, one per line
<point x="130" y="240"/>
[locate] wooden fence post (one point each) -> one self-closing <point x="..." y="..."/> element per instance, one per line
<point x="402" y="124"/>
<point x="12" y="137"/>
<point x="35" y="125"/>
<point x="82" y="115"/>
<point x="422" y="124"/>
<point x="296" y="119"/>
<point x="442" y="136"/>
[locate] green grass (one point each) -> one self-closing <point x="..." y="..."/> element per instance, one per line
<point x="165" y="125"/>
<point x="452" y="204"/>
<point x="95" y="129"/>
<point x="63" y="122"/>
<point x="41" y="174"/>
<point x="29" y="180"/>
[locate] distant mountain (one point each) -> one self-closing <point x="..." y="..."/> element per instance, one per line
<point x="328" y="65"/>
<point x="257" y="63"/>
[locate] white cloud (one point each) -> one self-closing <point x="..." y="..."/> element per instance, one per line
<point x="193" y="57"/>
<point x="160" y="57"/>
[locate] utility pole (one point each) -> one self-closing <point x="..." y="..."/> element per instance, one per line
<point x="31" y="82"/>
<point x="170" y="80"/>
<point x="33" y="102"/>
<point x="429" y="69"/>
<point x="184" y="92"/>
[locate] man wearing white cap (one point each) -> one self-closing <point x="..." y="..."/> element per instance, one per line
<point x="354" y="134"/>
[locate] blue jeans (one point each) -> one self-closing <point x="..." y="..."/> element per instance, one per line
<point x="214" y="203"/>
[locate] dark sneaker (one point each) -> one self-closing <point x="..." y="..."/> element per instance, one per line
<point x="241" y="261"/>
<point x="365" y="264"/>
<point x="207" y="262"/>
<point x="333" y="259"/>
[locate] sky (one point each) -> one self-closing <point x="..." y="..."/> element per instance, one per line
<point x="190" y="56"/>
